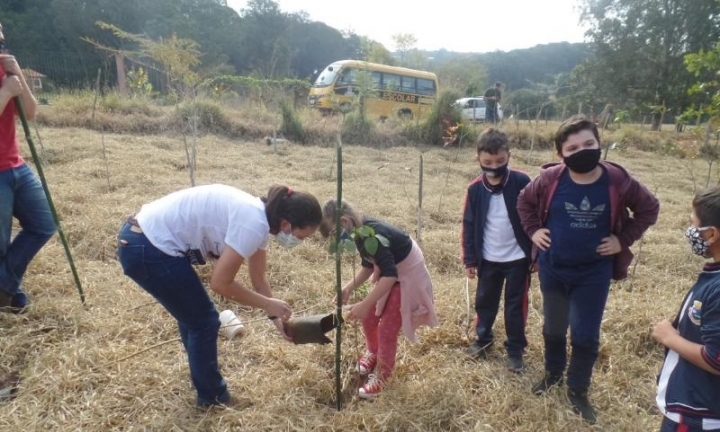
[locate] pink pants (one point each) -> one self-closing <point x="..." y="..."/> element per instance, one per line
<point x="381" y="333"/>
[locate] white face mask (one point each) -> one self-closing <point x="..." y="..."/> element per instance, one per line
<point x="288" y="241"/>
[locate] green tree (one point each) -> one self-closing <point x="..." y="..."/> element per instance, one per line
<point x="705" y="66"/>
<point x="639" y="47"/>
<point x="528" y="101"/>
<point x="465" y="75"/>
<point x="375" y="52"/>
<point x="179" y="57"/>
<point x="404" y="42"/>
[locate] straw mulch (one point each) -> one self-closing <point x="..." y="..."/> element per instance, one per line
<point x="105" y="367"/>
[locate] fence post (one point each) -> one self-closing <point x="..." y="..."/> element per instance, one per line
<point x="122" y="81"/>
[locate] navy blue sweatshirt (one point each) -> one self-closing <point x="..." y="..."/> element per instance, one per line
<point x="477" y="202"/>
<point x="683" y="388"/>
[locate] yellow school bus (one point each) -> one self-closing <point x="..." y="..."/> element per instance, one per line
<point x="389" y="91"/>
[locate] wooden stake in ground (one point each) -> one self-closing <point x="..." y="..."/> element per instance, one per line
<point x="534" y="132"/>
<point x="102" y="129"/>
<point x="338" y="277"/>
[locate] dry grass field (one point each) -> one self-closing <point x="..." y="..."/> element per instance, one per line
<point x="98" y="368"/>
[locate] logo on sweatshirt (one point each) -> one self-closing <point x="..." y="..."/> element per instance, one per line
<point x="695" y="312"/>
<point x="584" y="217"/>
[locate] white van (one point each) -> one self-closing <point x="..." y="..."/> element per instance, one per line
<point x="473" y="108"/>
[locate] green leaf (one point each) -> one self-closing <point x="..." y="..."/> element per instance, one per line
<point x="365" y="231"/>
<point x="383" y="240"/>
<point x="371" y="245"/>
<point x="332" y="248"/>
<point x="349" y="246"/>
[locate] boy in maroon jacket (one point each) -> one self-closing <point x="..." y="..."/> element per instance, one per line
<point x="576" y="214"/>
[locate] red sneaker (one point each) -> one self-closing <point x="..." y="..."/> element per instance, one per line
<point x="372" y="387"/>
<point x="367" y="363"/>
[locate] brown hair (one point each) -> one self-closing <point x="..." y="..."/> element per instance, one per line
<point x="300" y="209"/>
<point x="707" y="207"/>
<point x="492" y="141"/>
<point x="572" y="126"/>
<point x="329" y="211"/>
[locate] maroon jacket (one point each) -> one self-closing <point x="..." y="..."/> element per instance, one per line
<point x="625" y="193"/>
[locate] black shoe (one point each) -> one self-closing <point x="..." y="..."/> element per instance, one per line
<point x="549" y="380"/>
<point x="16" y="304"/>
<point x="581" y="404"/>
<point x="19" y="302"/>
<point x="477" y="351"/>
<point x="224" y="400"/>
<point x="515" y="364"/>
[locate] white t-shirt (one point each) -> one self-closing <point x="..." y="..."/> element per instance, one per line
<point x="499" y="242"/>
<point x="206" y="219"/>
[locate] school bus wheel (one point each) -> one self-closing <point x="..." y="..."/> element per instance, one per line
<point x="405" y="114"/>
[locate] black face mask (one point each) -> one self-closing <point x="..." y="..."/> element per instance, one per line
<point x="583" y="161"/>
<point x="495" y="172"/>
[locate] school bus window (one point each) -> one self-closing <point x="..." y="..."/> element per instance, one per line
<point x="376" y="80"/>
<point x="408" y="84"/>
<point x="390" y="81"/>
<point x="327" y="77"/>
<point x="349" y="76"/>
<point x="425" y="86"/>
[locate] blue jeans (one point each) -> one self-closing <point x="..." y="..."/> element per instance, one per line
<point x="175" y="285"/>
<point x="21" y="196"/>
<point x="491" y="114"/>
<point x="576" y="297"/>
<point x="516" y="277"/>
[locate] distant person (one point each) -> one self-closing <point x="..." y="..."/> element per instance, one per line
<point x="496" y="248"/>
<point x="688" y="392"/>
<point x="492" y="97"/>
<point x="401" y="296"/>
<point x="21" y="193"/>
<point x="577" y="214"/>
<point x="158" y="247"/>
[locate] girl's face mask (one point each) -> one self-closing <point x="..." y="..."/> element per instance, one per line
<point x="288" y="241"/>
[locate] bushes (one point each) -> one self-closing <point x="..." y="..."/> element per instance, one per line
<point x="291" y="126"/>
<point x="250" y="121"/>
<point x="628" y="136"/>
<point x="357" y="129"/>
<point x="434" y="129"/>
<point x="208" y="115"/>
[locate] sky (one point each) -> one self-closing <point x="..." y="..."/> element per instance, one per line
<point x="456" y="25"/>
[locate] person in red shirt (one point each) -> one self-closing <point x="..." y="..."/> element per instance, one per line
<point x="21" y="193"/>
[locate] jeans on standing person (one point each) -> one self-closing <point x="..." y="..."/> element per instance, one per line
<point x="491" y="114"/>
<point x="573" y="296"/>
<point x="515" y="276"/>
<point x="22" y="197"/>
<point x="176" y="286"/>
